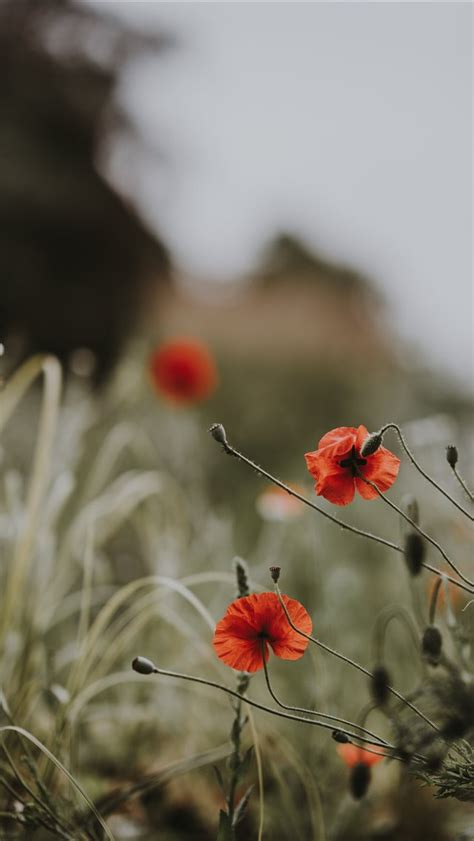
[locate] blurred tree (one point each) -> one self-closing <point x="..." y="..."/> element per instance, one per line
<point x="76" y="263"/>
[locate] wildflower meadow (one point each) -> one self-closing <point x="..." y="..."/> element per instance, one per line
<point x="154" y="682"/>
<point x="236" y="449"/>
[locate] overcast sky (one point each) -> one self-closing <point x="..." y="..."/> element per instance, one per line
<point x="350" y="123"/>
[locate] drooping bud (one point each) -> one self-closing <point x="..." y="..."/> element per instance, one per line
<point x="242" y="575"/>
<point x="143" y="666"/>
<point x="275" y="574"/>
<point x="379" y="685"/>
<point x="431" y="644"/>
<point x="452" y="455"/>
<point x="218" y="433"/>
<point x="340" y="737"/>
<point x="414" y="549"/>
<point x="359" y="780"/>
<point x="371" y="444"/>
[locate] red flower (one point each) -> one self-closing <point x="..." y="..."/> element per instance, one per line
<point x="255" y="622"/>
<point x="335" y="463"/>
<point x="354" y="755"/>
<point x="183" y="371"/>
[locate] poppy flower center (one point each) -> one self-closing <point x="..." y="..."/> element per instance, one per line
<point x="353" y="462"/>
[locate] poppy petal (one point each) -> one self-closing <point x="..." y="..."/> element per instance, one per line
<point x="365" y="490"/>
<point x="284" y="640"/>
<point x="337" y="487"/>
<point x="337" y="445"/>
<point x="245" y="657"/>
<point x="381" y="468"/>
<point x="361" y="434"/>
<point x="336" y="436"/>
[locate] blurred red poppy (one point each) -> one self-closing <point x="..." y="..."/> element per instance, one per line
<point x="355" y="755"/>
<point x="254" y="622"/>
<point x="183" y="371"/>
<point x="276" y="505"/>
<point x="337" y="461"/>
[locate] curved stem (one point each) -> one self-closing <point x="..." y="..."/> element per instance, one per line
<point x="359" y="532"/>
<point x="258" y="706"/>
<point x="382" y="620"/>
<point x="305" y="711"/>
<point x="429" y="479"/>
<point x="418" y="529"/>
<point x="352" y="663"/>
<point x="434" y="600"/>
<point x="463" y="484"/>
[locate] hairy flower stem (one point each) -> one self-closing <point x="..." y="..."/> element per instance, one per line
<point x="429" y="479"/>
<point x="233" y="693"/>
<point x="305" y="711"/>
<point x="352" y="663"/>
<point x="418" y="528"/>
<point x="353" y="529"/>
<point x="235" y="759"/>
<point x="463" y="484"/>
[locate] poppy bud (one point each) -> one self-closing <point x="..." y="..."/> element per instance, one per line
<point x="431" y="644"/>
<point x="452" y="455"/>
<point x="143" y="666"/>
<point x="241" y="573"/>
<point x="371" y="444"/>
<point x="379" y="685"/>
<point x="359" y="780"/>
<point x="218" y="433"/>
<point x="414" y="550"/>
<point x="275" y="574"/>
<point x="340" y="737"/>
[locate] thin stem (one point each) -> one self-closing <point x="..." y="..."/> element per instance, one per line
<point x="417" y="528"/>
<point x="445" y="577"/>
<point x="463" y="484"/>
<point x="235" y="759"/>
<point x="305" y="711"/>
<point x="261" y="472"/>
<point x="352" y="663"/>
<point x="382" y="621"/>
<point x="258" y="706"/>
<point x="420" y="469"/>
<point x="434" y="600"/>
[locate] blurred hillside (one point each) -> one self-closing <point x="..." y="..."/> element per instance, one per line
<point x="303" y="345"/>
<point x="295" y="305"/>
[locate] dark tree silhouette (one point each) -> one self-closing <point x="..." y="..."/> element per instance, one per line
<point x="76" y="262"/>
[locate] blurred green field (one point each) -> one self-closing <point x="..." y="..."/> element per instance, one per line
<point x="139" y="518"/>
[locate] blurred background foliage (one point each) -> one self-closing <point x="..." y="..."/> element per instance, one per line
<point x="137" y="487"/>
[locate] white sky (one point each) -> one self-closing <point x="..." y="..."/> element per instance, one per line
<point x="350" y="123"/>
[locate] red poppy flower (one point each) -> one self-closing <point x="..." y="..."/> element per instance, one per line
<point x="183" y="371"/>
<point x="337" y="461"/>
<point x="254" y="622"/>
<point x="355" y="755"/>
